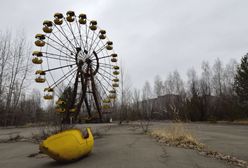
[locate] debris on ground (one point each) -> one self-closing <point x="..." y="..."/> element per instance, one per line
<point x="178" y="136"/>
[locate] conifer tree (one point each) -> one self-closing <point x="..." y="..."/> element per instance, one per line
<point x="241" y="80"/>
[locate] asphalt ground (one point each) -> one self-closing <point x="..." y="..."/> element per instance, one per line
<point x="123" y="146"/>
<point x="224" y="138"/>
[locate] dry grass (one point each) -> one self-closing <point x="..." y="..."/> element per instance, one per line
<point x="177" y="135"/>
<point x="238" y="122"/>
<point x="242" y="122"/>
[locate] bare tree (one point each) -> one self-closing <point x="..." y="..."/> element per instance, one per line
<point x="136" y="106"/>
<point x="193" y="83"/>
<point x="146" y="91"/>
<point x="193" y="103"/>
<point x="158" y="86"/>
<point x="126" y="94"/>
<point x="205" y="81"/>
<point x="14" y="68"/>
<point x="179" y="84"/>
<point x="229" y="76"/>
<point x="147" y="107"/>
<point x="169" y="86"/>
<point x="217" y="80"/>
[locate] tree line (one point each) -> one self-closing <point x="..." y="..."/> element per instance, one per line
<point x="217" y="92"/>
<point x="16" y="106"/>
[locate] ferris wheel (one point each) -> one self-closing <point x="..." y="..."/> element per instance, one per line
<point x="77" y="64"/>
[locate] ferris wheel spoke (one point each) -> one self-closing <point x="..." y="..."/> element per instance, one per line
<point x="59" y="68"/>
<point x="99" y="40"/>
<point x="100" y="49"/>
<point x="57" y="49"/>
<point x="100" y="90"/>
<point x="107" y="72"/>
<point x="59" y="82"/>
<point x="107" y="56"/>
<point x="70" y="81"/>
<point x="94" y="53"/>
<point x="59" y="59"/>
<point x="102" y="86"/>
<point x="61" y="79"/>
<point x="93" y="40"/>
<point x="61" y="42"/>
<point x="57" y="55"/>
<point x="65" y="36"/>
<point x="105" y="78"/>
<point x="105" y="66"/>
<point x="79" y="31"/>
<point x="70" y="28"/>
<point x="87" y="35"/>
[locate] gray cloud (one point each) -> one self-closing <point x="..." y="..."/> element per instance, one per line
<point x="151" y="37"/>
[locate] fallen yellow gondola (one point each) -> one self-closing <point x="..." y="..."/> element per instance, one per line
<point x="68" y="145"/>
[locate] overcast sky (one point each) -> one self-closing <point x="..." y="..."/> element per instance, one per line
<point x="151" y="36"/>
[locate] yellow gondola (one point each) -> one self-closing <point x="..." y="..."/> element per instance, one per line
<point x="70" y="16"/>
<point x="102" y="31"/>
<point x="116" y="67"/>
<point x="112" y="96"/>
<point x="40" y="80"/>
<point x="58" y="18"/>
<point x="60" y="102"/>
<point x="37" y="53"/>
<point x="109" y="45"/>
<point x="47" y="29"/>
<point x="82" y="18"/>
<point x="114" y="55"/>
<point x="105" y="106"/>
<point x="113" y="60"/>
<point x="40" y="36"/>
<point x="47" y="26"/>
<point x="58" y="15"/>
<point x="40" y="76"/>
<point x="116" y="72"/>
<point x="115" y="85"/>
<point x="93" y="25"/>
<point x="112" y="91"/>
<point x="37" y="60"/>
<point x="48" y="89"/>
<point x="39" y="42"/>
<point x="70" y="13"/>
<point x="58" y="21"/>
<point x="106" y="101"/>
<point x="48" y="93"/>
<point x="73" y="110"/>
<point x="109" y="42"/>
<point x="102" y="36"/>
<point x="40" y="72"/>
<point x="59" y="110"/>
<point x="68" y="145"/>
<point x="115" y="80"/>
<point x="48" y="97"/>
<point x="48" y="23"/>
